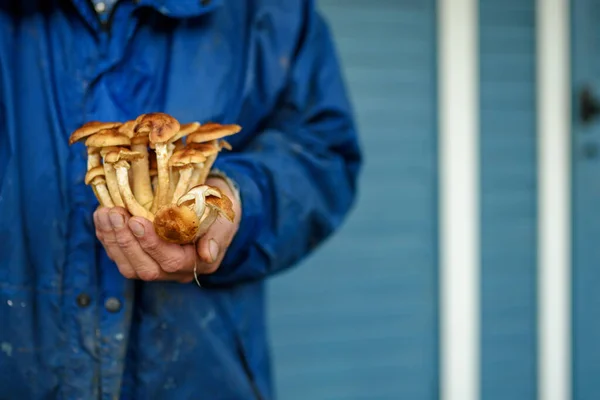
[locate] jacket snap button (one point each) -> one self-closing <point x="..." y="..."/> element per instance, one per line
<point x="83" y="300"/>
<point x="112" y="304"/>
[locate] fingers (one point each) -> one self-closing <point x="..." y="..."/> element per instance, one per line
<point x="172" y="258"/>
<point x="212" y="246"/>
<point x="124" y="248"/>
<point x="106" y="235"/>
<point x="145" y="267"/>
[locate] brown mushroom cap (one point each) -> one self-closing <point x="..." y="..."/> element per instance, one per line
<point x="206" y="149"/>
<point x="185" y="130"/>
<point x="107" y="137"/>
<point x="127" y="129"/>
<point x="176" y="224"/>
<point x="91" y="128"/>
<point x="222" y="204"/>
<point x="186" y="156"/>
<point x="93" y="173"/>
<point x="160" y="127"/>
<point x="224" y="144"/>
<point x="104" y="151"/>
<point x="211" y="131"/>
<point x="122" y="154"/>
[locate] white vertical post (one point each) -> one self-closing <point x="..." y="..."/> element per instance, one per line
<point x="459" y="198"/>
<point x="554" y="222"/>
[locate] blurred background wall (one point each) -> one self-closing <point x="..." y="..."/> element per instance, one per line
<point x="469" y="268"/>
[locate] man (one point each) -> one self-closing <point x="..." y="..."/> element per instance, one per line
<point x="92" y="303"/>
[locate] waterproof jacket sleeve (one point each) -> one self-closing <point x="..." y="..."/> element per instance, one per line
<point x="298" y="177"/>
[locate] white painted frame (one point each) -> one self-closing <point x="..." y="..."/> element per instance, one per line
<point x="459" y="198"/>
<point x="554" y="198"/>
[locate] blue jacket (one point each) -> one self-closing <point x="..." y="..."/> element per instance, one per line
<point x="71" y="327"/>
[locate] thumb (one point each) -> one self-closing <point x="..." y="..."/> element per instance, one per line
<point x="212" y="245"/>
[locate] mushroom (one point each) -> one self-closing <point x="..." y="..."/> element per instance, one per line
<point x="210" y="150"/>
<point x="215" y="206"/>
<point x="120" y="160"/>
<point x="108" y="140"/>
<point x="89" y="129"/>
<point x="185" y="161"/>
<point x="161" y="128"/>
<point x="175" y="144"/>
<point x="201" y="170"/>
<point x="140" y="171"/>
<point x="210" y="133"/>
<point x="189" y="218"/>
<point x="95" y="178"/>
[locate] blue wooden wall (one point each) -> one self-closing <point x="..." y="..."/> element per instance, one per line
<point x="508" y="199"/>
<point x="358" y="320"/>
<point x="586" y="201"/>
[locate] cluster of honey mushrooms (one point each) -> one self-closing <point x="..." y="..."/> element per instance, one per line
<point x="156" y="168"/>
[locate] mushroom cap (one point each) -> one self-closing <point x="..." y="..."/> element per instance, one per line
<point x="104" y="151"/>
<point x="122" y="154"/>
<point x="185" y="130"/>
<point x="99" y="180"/>
<point x="224" y="144"/>
<point x="176" y="224"/>
<point x="186" y="156"/>
<point x="93" y="173"/>
<point x="206" y="149"/>
<point x="160" y="127"/>
<point x="222" y="204"/>
<point x="127" y="129"/>
<point x="211" y="131"/>
<point x="89" y="128"/>
<point x="141" y="139"/>
<point x="107" y="137"/>
<point x="93" y="150"/>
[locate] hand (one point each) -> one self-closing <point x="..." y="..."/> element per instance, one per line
<point x="140" y="254"/>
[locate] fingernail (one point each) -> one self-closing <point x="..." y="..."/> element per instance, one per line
<point x="213" y="248"/>
<point x="116" y="219"/>
<point x="136" y="228"/>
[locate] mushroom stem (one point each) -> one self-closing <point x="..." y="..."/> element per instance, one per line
<point x="113" y="187"/>
<point x="209" y="217"/>
<point x="185" y="175"/>
<point x="173" y="173"/>
<point x="162" y="160"/>
<point x="205" y="170"/>
<point x="101" y="192"/>
<point x="195" y="179"/>
<point x="93" y="157"/>
<point x="133" y="206"/>
<point x="142" y="188"/>
<point x="154" y="185"/>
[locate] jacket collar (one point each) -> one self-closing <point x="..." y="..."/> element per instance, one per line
<point x="181" y="8"/>
<point x="171" y="8"/>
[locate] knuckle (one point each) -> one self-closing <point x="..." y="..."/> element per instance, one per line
<point x="125" y="240"/>
<point x="148" y="274"/>
<point x="109" y="240"/>
<point x="151" y="245"/>
<point x="172" y="264"/>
